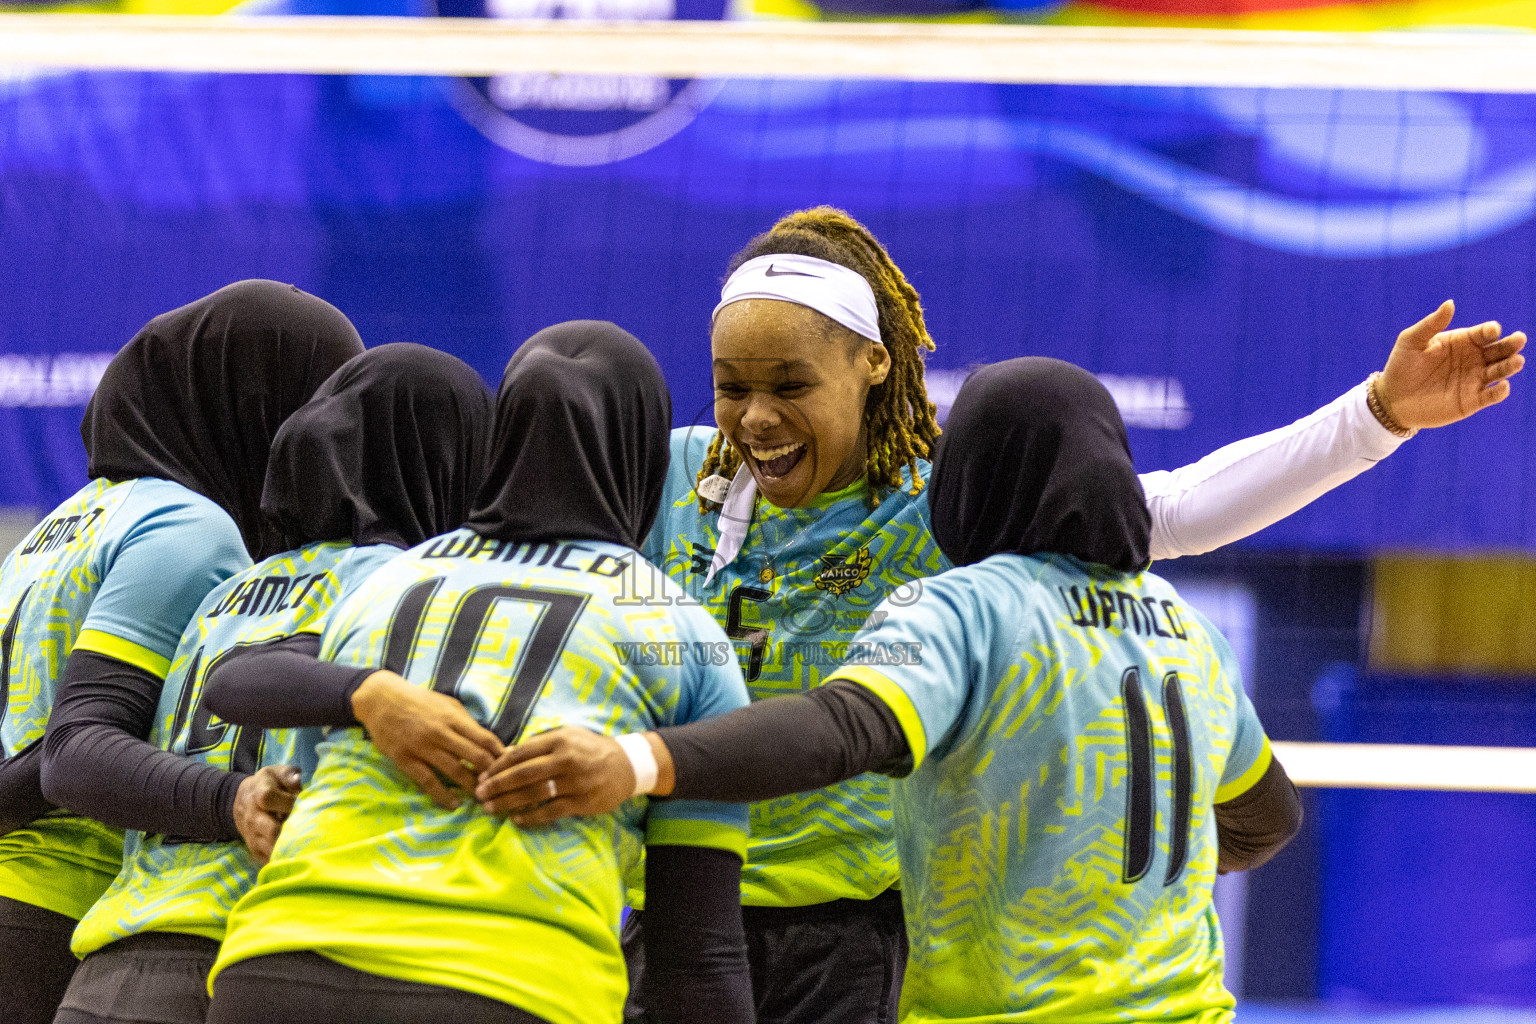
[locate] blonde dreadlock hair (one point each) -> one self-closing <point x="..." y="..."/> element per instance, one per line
<point x="898" y="418"/>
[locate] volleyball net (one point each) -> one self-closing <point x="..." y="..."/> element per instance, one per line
<point x="130" y="145"/>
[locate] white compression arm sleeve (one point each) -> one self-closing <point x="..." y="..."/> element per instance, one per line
<point x="1238" y="490"/>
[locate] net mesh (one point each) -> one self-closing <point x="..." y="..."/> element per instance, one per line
<point x="1229" y="230"/>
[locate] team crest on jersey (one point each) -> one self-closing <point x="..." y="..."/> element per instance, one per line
<point x="842" y="573"/>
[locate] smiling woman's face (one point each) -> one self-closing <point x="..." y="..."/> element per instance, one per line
<point x="790" y="386"/>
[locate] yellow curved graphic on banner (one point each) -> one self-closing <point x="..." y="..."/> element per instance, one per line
<point x="1293" y="15"/>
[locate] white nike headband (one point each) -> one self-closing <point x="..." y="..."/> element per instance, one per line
<point x="828" y="288"/>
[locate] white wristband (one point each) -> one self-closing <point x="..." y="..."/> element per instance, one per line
<point x="641" y="758"/>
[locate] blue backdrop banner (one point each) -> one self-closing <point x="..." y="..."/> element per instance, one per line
<point x="1227" y="259"/>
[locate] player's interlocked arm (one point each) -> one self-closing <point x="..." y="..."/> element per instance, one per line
<point x="428" y="735"/>
<point x="566" y="771"/>
<point x="791" y="744"/>
<point x="262" y="803"/>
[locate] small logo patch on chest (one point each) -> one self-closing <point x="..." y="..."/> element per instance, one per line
<point x="843" y="572"/>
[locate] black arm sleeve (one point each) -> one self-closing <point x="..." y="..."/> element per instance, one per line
<point x="695" y="947"/>
<point x="787" y="745"/>
<point x="282" y="684"/>
<point x="96" y="761"/>
<point x="1253" y="827"/>
<point x="21" y="789"/>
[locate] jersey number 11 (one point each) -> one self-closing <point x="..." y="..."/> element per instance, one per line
<point x="1140" y="801"/>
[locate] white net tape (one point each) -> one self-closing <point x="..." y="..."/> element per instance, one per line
<point x="1401" y="766"/>
<point x="917" y="52"/>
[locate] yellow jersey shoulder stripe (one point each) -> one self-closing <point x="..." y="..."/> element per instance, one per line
<point x="897" y="700"/>
<point x="137" y="655"/>
<point x="1246" y="781"/>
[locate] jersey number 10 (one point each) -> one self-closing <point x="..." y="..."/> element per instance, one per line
<point x="1140" y="801"/>
<point x="552" y="627"/>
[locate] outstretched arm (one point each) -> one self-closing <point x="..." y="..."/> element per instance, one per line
<point x="1433" y="377"/>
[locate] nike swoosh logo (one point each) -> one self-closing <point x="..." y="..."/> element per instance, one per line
<point x="770" y="272"/>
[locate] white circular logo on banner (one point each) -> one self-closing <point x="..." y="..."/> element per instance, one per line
<point x="581" y="120"/>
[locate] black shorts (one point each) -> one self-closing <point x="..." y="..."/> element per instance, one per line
<point x="831" y="963"/>
<point x="303" y="988"/>
<point x="35" y="961"/>
<point x="152" y="978"/>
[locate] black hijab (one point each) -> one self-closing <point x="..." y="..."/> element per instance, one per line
<point x="579" y="446"/>
<point x="389" y="451"/>
<point x="197" y="396"/>
<point x="1034" y="458"/>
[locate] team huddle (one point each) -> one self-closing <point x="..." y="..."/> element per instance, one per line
<point x="348" y="691"/>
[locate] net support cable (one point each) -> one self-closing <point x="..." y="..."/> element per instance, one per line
<point x="1074" y="55"/>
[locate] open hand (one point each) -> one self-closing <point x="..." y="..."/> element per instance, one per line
<point x="1436" y="376"/>
<point x="262" y="804"/>
<point x="429" y="735"/>
<point x="555" y="774"/>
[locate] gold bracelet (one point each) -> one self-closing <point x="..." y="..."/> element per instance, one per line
<point x="1378" y="407"/>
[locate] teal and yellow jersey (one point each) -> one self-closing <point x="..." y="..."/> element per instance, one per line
<point x="171" y="885"/>
<point x="119" y="570"/>
<point x="369" y="872"/>
<point x="1071" y="730"/>
<point x="804" y="583"/>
